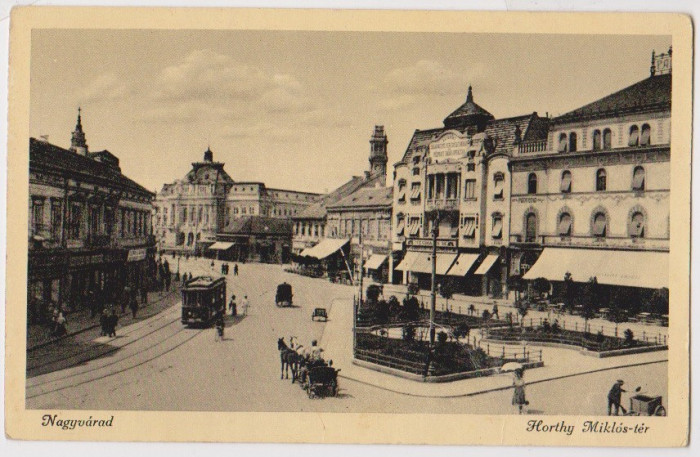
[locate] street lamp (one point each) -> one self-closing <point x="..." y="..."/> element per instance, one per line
<point x="433" y="260"/>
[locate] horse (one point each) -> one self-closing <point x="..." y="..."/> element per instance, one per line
<point x="289" y="359"/>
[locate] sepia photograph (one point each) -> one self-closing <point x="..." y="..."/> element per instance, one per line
<point x="347" y="221"/>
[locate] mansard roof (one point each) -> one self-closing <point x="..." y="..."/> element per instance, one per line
<point x="208" y="173"/>
<point x="652" y="94"/>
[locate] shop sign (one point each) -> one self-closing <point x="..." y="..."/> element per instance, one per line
<point x="449" y="145"/>
<point x="81" y="260"/>
<point x="136" y="254"/>
<point x="428" y="243"/>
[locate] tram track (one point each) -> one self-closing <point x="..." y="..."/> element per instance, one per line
<point x="156" y="355"/>
<point x="80" y="354"/>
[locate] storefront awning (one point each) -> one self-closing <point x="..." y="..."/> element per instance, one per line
<point x="375" y="261"/>
<point x="463" y="264"/>
<point x="407" y="261"/>
<point x="620" y="268"/>
<point x="423" y="264"/>
<point x="324" y="248"/>
<point x="220" y="246"/>
<point x="486" y="264"/>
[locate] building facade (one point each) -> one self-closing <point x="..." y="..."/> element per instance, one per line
<point x="89" y="228"/>
<point x="593" y="198"/>
<point x="189" y="213"/>
<point x="453" y="183"/>
<point x="311" y="224"/>
<point x="255" y="239"/>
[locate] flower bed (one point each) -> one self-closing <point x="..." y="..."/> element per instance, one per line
<point x="586" y="340"/>
<point x="415" y="356"/>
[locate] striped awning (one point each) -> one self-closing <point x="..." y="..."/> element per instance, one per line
<point x="220" y="246"/>
<point x="463" y="264"/>
<point x="486" y="264"/>
<point x="375" y="261"/>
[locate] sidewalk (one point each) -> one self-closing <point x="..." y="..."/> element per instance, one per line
<point x="559" y="363"/>
<point x="81" y="321"/>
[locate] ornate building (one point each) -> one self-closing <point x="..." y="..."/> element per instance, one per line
<point x="89" y="227"/>
<point x="592" y="199"/>
<point x="189" y="213"/>
<point x="456" y="179"/>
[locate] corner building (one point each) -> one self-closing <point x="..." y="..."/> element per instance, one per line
<point x="456" y="180"/>
<point x="592" y="199"/>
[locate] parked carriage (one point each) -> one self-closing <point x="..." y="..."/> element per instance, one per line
<point x="203" y="297"/>
<point x="284" y="295"/>
<point x="319" y="313"/>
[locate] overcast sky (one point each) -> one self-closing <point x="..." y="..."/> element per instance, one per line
<point x="296" y="109"/>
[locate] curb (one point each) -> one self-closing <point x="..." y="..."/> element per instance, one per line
<point x="497" y="389"/>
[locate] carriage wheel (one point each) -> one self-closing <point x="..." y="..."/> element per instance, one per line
<point x="660" y="411"/>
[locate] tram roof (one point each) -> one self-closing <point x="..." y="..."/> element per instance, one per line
<point x="203" y="282"/>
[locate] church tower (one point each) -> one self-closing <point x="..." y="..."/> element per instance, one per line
<point x="378" y="154"/>
<point x="77" y="142"/>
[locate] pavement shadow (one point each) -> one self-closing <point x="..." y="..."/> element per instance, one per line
<point x="65" y="354"/>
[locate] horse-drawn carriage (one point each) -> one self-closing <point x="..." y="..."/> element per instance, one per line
<point x="284" y="295"/>
<point x="321" y="380"/>
<point x="319" y="313"/>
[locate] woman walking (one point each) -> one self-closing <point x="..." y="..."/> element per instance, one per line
<point x="519" y="390"/>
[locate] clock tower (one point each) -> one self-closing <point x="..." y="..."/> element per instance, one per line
<point x="377" y="153"/>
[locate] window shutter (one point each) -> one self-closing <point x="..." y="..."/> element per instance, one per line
<point x="497" y="228"/>
<point x="565" y="225"/>
<point x="599" y="225"/>
<point x="638" y="179"/>
<point x="646" y="136"/>
<point x="498" y="192"/>
<point x="634" y="136"/>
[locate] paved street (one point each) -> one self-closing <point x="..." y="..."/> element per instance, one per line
<point x="157" y="364"/>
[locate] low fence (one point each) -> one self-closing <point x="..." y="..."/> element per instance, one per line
<point x="391" y="362"/>
<point x="616" y="331"/>
<point x="510" y="354"/>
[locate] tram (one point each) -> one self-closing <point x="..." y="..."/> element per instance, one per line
<point x="202" y="298"/>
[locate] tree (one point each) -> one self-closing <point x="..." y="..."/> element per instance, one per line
<point x="523" y="307"/>
<point x="516" y="284"/>
<point x="447" y="290"/>
<point x="568" y="292"/>
<point x="373" y="292"/>
<point x="658" y="302"/>
<point x="413" y="288"/>
<point x="589" y="301"/>
<point x="541" y="286"/>
<point x="382" y="312"/>
<point x="411" y="309"/>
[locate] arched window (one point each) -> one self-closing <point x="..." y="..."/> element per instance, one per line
<point x="638" y="178"/>
<point x="565" y="181"/>
<point x="572" y="142"/>
<point x="531" y="228"/>
<point x="532" y="183"/>
<point x="562" y="142"/>
<point x="645" y="139"/>
<point x="634" y="136"/>
<point x="498" y="182"/>
<point x="600" y="225"/>
<point x="607" y="139"/>
<point x="636" y="228"/>
<point x="596" y="140"/>
<point x="565" y="224"/>
<point x="600" y="180"/>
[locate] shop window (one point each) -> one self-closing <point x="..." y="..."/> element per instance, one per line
<point x="601" y="180"/>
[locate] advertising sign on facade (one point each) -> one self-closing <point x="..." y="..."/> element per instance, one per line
<point x="449" y="145"/>
<point x="136" y="254"/>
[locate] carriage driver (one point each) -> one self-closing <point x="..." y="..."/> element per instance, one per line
<point x="312" y="355"/>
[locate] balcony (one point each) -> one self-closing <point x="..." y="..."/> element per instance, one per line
<point x="449" y="204"/>
<point x="609" y="242"/>
<point x="532" y="146"/>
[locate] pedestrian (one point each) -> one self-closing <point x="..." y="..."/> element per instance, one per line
<point x="615" y="398"/>
<point x="232" y="305"/>
<point x="144" y="295"/>
<point x="472" y="309"/>
<point x="60" y="328"/>
<point x="235" y="269"/>
<point x="519" y="390"/>
<point x="167" y="281"/>
<point x="495" y="310"/>
<point x="112" y="323"/>
<point x="245" y="305"/>
<point x="219" y="324"/>
<point x="104" y="323"/>
<point x="134" y="306"/>
<point x="212" y="263"/>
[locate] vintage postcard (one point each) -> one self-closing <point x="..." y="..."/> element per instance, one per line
<point x="349" y="227"/>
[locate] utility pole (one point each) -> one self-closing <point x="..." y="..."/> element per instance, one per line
<point x="436" y="221"/>
<point x="362" y="252"/>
